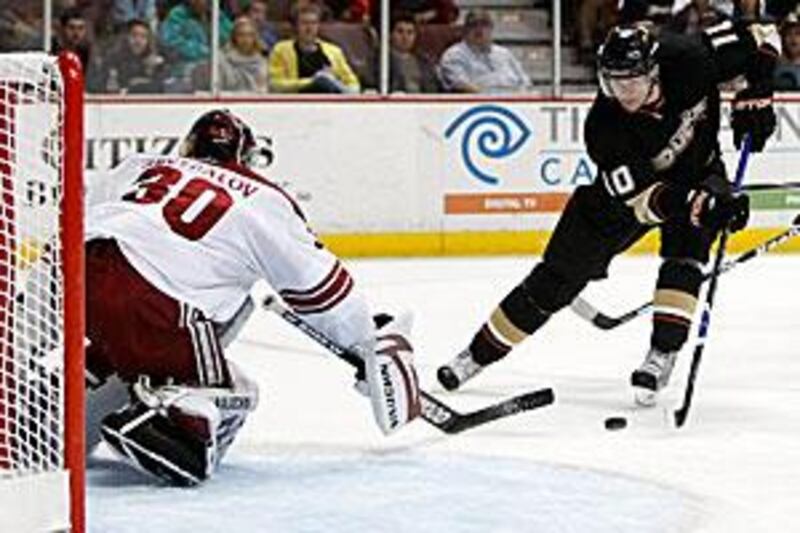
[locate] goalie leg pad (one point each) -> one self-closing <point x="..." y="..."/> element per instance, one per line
<point x="234" y="405"/>
<point x="392" y="379"/>
<point x="180" y="434"/>
<point x="178" y="448"/>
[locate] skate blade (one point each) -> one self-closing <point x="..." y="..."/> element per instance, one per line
<point x="645" y="397"/>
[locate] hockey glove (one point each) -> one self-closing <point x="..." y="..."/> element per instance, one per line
<point x="390" y="379"/>
<point x="753" y="113"/>
<point x="717" y="211"/>
<point x="380" y="320"/>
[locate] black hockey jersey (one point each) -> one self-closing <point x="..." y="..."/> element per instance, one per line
<point x="675" y="142"/>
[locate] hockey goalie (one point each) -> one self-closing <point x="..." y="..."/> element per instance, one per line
<point x="170" y="262"/>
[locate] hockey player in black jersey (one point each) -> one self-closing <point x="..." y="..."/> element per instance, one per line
<point x="652" y="132"/>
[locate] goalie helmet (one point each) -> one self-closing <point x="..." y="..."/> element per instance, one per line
<point x="219" y="135"/>
<point x="628" y="52"/>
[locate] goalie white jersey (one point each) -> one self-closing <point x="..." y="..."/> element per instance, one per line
<point x="204" y="234"/>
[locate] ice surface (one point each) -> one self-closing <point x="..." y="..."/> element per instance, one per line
<point x="396" y="492"/>
<point x="311" y="459"/>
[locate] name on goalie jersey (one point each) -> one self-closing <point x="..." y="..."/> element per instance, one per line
<point x="245" y="186"/>
<point x="229" y="179"/>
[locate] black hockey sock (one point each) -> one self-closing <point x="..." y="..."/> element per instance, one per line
<point x="674" y="304"/>
<point x="511" y="322"/>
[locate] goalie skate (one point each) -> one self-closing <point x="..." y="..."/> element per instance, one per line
<point x="652" y="376"/>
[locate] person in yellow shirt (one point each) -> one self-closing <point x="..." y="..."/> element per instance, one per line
<point x="307" y="64"/>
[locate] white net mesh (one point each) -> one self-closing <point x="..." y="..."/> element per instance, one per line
<point x="31" y="283"/>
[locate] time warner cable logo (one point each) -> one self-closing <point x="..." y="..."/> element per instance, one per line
<point x="489" y="132"/>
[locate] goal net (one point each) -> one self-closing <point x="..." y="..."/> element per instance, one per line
<point x="41" y="293"/>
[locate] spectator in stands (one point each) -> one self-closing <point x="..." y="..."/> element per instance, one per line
<point x="425" y="11"/>
<point x="125" y="11"/>
<point x="186" y="35"/>
<point x="21" y="27"/>
<point x="96" y="13"/>
<point x="779" y="9"/>
<point x="748" y="9"/>
<point x="477" y="65"/>
<point x="657" y="12"/>
<point x="694" y="17"/>
<point x="307" y="64"/>
<point x="257" y="11"/>
<point x="234" y="8"/>
<point x="73" y="35"/>
<point x="409" y="71"/>
<point x="787" y="73"/>
<point x="595" y="18"/>
<point x="243" y="63"/>
<point x="356" y="11"/>
<point x="326" y="15"/>
<point x="133" y="65"/>
<point x="163" y="7"/>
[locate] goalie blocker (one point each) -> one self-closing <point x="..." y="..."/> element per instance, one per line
<point x="391" y="380"/>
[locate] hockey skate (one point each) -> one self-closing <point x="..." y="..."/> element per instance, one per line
<point x="652" y="376"/>
<point x="458" y="371"/>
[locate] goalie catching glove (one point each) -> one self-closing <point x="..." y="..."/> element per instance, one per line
<point x="390" y="380"/>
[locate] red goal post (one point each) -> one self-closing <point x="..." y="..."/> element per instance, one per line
<point x="42" y="447"/>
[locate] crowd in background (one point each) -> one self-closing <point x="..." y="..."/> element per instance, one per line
<point x="332" y="46"/>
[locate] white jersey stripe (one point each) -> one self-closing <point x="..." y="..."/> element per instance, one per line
<point x="206" y="352"/>
<point x="216" y="352"/>
<point x="202" y="378"/>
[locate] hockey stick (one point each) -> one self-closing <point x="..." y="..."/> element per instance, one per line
<point x="705" y="320"/>
<point x="756" y="187"/>
<point x="590" y="313"/>
<point x="434" y="411"/>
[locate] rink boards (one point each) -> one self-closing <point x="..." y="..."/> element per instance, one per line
<point x="411" y="176"/>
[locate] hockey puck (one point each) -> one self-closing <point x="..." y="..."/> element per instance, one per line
<point x="616" y="422"/>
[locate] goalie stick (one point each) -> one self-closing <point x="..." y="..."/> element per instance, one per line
<point x="590" y="313"/>
<point x="434" y="411"/>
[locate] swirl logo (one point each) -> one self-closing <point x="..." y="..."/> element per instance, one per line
<point x="490" y="132"/>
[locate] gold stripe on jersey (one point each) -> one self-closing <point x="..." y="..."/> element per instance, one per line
<point x="502" y="328"/>
<point x="766" y="34"/>
<point x="641" y="205"/>
<point x="675" y="302"/>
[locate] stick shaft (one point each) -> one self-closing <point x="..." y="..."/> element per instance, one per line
<point x="705" y="321"/>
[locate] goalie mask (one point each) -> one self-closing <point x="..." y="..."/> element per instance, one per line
<point x="626" y="66"/>
<point x="222" y="136"/>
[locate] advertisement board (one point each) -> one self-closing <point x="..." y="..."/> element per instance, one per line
<point x="421" y="177"/>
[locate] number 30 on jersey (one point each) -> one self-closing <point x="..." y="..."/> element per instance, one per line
<point x="192" y="211"/>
